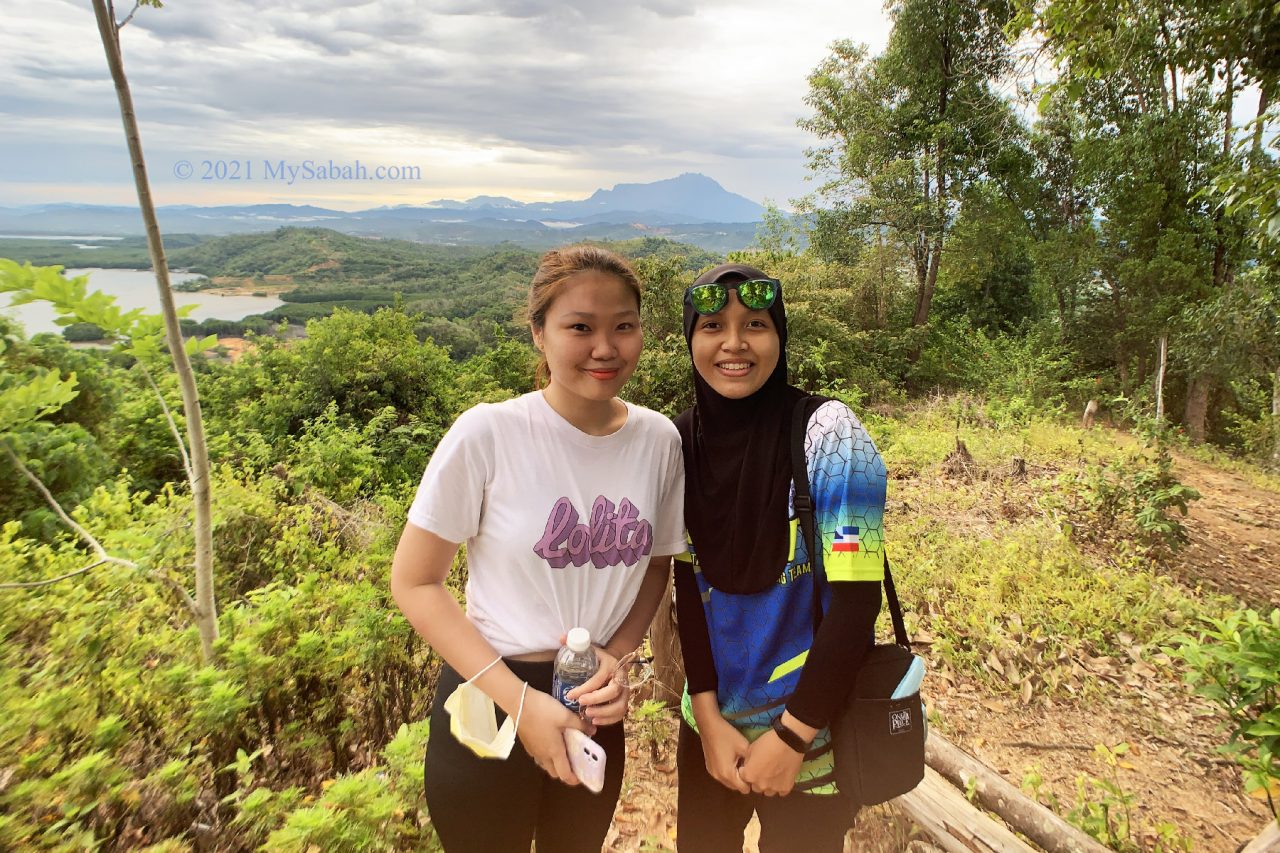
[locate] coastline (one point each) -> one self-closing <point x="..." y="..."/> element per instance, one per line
<point x="230" y="285"/>
<point x="228" y="300"/>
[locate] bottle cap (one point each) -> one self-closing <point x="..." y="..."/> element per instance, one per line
<point x="579" y="640"/>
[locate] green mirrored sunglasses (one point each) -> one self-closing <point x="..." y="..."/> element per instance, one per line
<point x="757" y="294"/>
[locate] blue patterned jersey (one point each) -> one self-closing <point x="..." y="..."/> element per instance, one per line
<point x="759" y="642"/>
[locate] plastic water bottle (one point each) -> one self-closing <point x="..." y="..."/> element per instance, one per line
<point x="575" y="663"/>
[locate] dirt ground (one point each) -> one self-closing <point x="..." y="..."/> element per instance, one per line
<point x="1235" y="535"/>
<point x="270" y="285"/>
<point x="1171" y="769"/>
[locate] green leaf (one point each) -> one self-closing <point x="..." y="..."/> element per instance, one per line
<point x="34" y="398"/>
<point x="199" y="345"/>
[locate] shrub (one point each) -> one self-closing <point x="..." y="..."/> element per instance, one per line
<point x="1235" y="663"/>
<point x="1028" y="372"/>
<point x="1019" y="607"/>
<point x="1131" y="498"/>
<point x="83" y="332"/>
<point x="376" y="809"/>
<point x="111" y="734"/>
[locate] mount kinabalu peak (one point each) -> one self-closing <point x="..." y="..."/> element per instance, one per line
<point x="691" y="195"/>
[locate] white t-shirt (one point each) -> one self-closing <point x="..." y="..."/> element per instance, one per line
<point x="559" y="524"/>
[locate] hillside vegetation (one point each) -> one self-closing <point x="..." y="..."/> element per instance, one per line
<point x="463" y="293"/>
<point x="309" y="729"/>
<point x="1097" y="600"/>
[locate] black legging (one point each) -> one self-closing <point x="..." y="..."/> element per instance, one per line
<point x="490" y="806"/>
<point x="712" y="818"/>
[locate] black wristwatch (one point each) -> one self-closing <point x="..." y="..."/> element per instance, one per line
<point x="789" y="737"/>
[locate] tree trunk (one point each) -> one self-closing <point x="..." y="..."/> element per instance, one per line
<point x="1264" y="103"/>
<point x="1229" y="95"/>
<point x="1219" y="252"/>
<point x="882" y="287"/>
<point x="1267" y="841"/>
<point x="953" y="823"/>
<point x="207" y="613"/>
<point x="1171" y="67"/>
<point x="1060" y="294"/>
<point x="1220" y="244"/>
<point x="920" y="252"/>
<point x="925" y="296"/>
<point x="1275" y="417"/>
<point x="1198" y="391"/>
<point x="668" y="665"/>
<point x="1164" y="358"/>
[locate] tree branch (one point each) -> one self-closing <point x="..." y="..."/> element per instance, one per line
<point x="103" y="556"/>
<point x="53" y="502"/>
<point x="179" y="589"/>
<point x="173" y="426"/>
<point x="129" y="17"/>
<point x="154" y="575"/>
<point x="33" y="584"/>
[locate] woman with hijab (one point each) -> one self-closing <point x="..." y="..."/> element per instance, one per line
<point x="762" y="686"/>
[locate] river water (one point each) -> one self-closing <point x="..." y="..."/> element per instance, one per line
<point x="137" y="289"/>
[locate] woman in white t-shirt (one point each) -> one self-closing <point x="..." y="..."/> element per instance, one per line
<point x="570" y="501"/>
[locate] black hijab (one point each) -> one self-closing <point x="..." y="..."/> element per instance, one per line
<point x="737" y="459"/>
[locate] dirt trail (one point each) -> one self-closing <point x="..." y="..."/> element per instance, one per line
<point x="1235" y="535"/>
<point x="1173" y="767"/>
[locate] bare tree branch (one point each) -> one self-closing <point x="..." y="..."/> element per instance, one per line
<point x="33" y="584"/>
<point x="129" y="17"/>
<point x="53" y="502"/>
<point x="154" y="575"/>
<point x="173" y="426"/>
<point x="179" y="589"/>
<point x="103" y="556"/>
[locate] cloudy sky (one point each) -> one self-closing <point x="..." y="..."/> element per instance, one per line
<point x="525" y="98"/>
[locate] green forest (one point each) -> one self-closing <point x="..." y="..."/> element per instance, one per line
<point x="1055" y="307"/>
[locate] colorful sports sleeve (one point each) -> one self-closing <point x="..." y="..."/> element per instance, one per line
<point x="849" y="482"/>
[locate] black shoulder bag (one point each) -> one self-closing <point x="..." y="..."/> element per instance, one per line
<point x="878" y="741"/>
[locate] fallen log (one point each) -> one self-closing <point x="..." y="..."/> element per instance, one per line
<point x="1015" y="808"/>
<point x="953" y="823"/>
<point x="1268" y="841"/>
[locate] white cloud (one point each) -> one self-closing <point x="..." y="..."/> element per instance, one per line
<point x="523" y="98"/>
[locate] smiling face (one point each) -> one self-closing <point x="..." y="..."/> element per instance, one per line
<point x="736" y="349"/>
<point x="590" y="336"/>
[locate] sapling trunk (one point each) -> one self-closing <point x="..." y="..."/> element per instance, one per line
<point x="207" y="613"/>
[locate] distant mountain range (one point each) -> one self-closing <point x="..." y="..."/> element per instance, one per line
<point x="686" y="199"/>
<point x="690" y="208"/>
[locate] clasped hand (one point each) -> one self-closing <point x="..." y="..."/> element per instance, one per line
<point x="770" y="767"/>
<point x="766" y="766"/>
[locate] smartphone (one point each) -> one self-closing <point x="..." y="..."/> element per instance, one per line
<point x="586" y="758"/>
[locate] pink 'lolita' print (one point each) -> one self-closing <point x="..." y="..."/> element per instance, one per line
<point x="615" y="535"/>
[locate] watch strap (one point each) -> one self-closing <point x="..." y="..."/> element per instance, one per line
<point x="790" y="738"/>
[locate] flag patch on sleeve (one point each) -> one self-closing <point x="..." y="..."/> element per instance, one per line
<point x="846" y="540"/>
